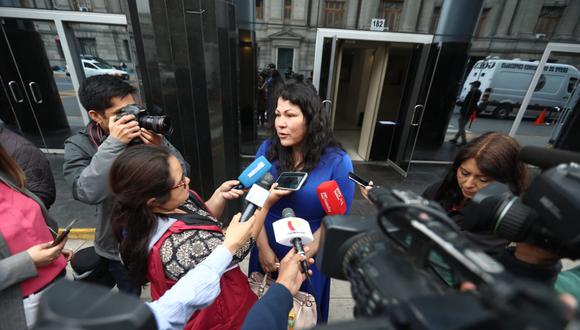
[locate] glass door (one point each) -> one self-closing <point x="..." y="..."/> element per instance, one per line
<point x="414" y="98"/>
<point x="36" y="88"/>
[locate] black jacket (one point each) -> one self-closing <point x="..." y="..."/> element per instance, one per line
<point x="33" y="162"/>
<point x="470" y="103"/>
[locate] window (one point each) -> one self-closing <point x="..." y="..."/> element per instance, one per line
<point x="481" y="23"/>
<point x="572" y="84"/>
<point x="391" y="12"/>
<point x="547" y="21"/>
<point x="334" y="13"/>
<point x="435" y="19"/>
<point x="287" y="9"/>
<point x="285" y="59"/>
<point x="88" y="46"/>
<point x="259" y="9"/>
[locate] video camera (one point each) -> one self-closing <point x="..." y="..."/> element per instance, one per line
<point x="404" y="262"/>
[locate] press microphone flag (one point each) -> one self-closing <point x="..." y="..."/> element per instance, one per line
<point x="253" y="172"/>
<point x="291" y="227"/>
<point x="257" y="196"/>
<point x="331" y="198"/>
<point x="293" y="231"/>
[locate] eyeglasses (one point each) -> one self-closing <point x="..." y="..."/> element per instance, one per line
<point x="182" y="183"/>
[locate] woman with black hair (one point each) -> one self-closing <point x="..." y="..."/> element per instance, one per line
<point x="490" y="157"/>
<point x="165" y="229"/>
<point x="301" y="140"/>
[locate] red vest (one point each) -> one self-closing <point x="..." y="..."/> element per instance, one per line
<point x="229" y="309"/>
<point x="22" y="225"/>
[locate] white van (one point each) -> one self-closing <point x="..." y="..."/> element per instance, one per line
<point x="505" y="82"/>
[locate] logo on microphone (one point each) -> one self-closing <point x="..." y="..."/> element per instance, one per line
<point x="338" y="195"/>
<point x="291" y="225"/>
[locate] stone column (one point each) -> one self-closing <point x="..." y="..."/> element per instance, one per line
<point x="527" y="18"/>
<point x="410" y="15"/>
<point x="565" y="28"/>
<point x="368" y="10"/>
<point x="426" y="16"/>
<point x="507" y="15"/>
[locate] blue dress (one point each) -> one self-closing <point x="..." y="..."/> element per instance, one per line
<point x="334" y="164"/>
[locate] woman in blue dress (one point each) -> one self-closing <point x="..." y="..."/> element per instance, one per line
<point x="302" y="140"/>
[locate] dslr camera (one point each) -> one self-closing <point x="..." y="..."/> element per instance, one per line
<point x="157" y="124"/>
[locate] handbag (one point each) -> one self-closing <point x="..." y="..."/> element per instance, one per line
<point x="303" y="314"/>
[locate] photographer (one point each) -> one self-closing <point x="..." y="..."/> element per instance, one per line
<point x="88" y="155"/>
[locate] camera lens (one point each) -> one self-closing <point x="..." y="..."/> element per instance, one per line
<point x="157" y="124"/>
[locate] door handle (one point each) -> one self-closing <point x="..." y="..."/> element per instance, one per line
<point x="35" y="91"/>
<point x="12" y="85"/>
<point x="413" y="123"/>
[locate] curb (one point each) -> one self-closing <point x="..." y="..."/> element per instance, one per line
<point x="87" y="234"/>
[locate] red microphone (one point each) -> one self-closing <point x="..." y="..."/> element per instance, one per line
<point x="331" y="198"/>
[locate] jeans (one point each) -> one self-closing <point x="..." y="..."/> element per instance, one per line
<point x="462" y="122"/>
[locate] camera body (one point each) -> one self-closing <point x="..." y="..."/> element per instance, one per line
<point x="156" y="124"/>
<point x="545" y="216"/>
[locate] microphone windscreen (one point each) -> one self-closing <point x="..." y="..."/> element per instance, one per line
<point x="266" y="181"/>
<point x="254" y="171"/>
<point x="288" y="213"/>
<point x="546" y="158"/>
<point x="331" y="198"/>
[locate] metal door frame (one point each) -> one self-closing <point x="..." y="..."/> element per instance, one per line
<point x="551" y="47"/>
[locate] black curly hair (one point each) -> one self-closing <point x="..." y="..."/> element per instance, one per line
<point x="319" y="134"/>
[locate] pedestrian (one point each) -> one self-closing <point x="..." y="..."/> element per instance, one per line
<point x="467" y="108"/>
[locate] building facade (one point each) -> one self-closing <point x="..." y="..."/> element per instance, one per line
<point x="286" y="29"/>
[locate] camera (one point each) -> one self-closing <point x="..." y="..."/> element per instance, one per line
<point x="545" y="216"/>
<point x="157" y="124"/>
<point x="405" y="262"/>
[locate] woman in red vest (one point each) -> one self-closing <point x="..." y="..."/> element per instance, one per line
<point x="28" y="264"/>
<point x="165" y="229"/>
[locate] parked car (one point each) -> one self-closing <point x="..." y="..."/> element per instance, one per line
<point x="94" y="67"/>
<point x="504" y="84"/>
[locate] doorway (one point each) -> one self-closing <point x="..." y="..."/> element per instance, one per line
<point x="375" y="83"/>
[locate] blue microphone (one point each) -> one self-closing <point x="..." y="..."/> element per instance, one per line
<point x="253" y="172"/>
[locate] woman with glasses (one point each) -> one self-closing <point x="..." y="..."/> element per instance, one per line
<point x="165" y="229"/>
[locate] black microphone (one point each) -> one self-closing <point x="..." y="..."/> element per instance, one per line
<point x="257" y="196"/>
<point x="545" y="158"/>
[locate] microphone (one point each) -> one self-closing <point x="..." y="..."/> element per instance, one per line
<point x="331" y="198"/>
<point x="257" y="196"/>
<point x="253" y="172"/>
<point x="293" y="231"/>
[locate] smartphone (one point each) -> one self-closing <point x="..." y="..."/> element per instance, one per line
<point x="358" y="180"/>
<point x="63" y="234"/>
<point x="291" y="180"/>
